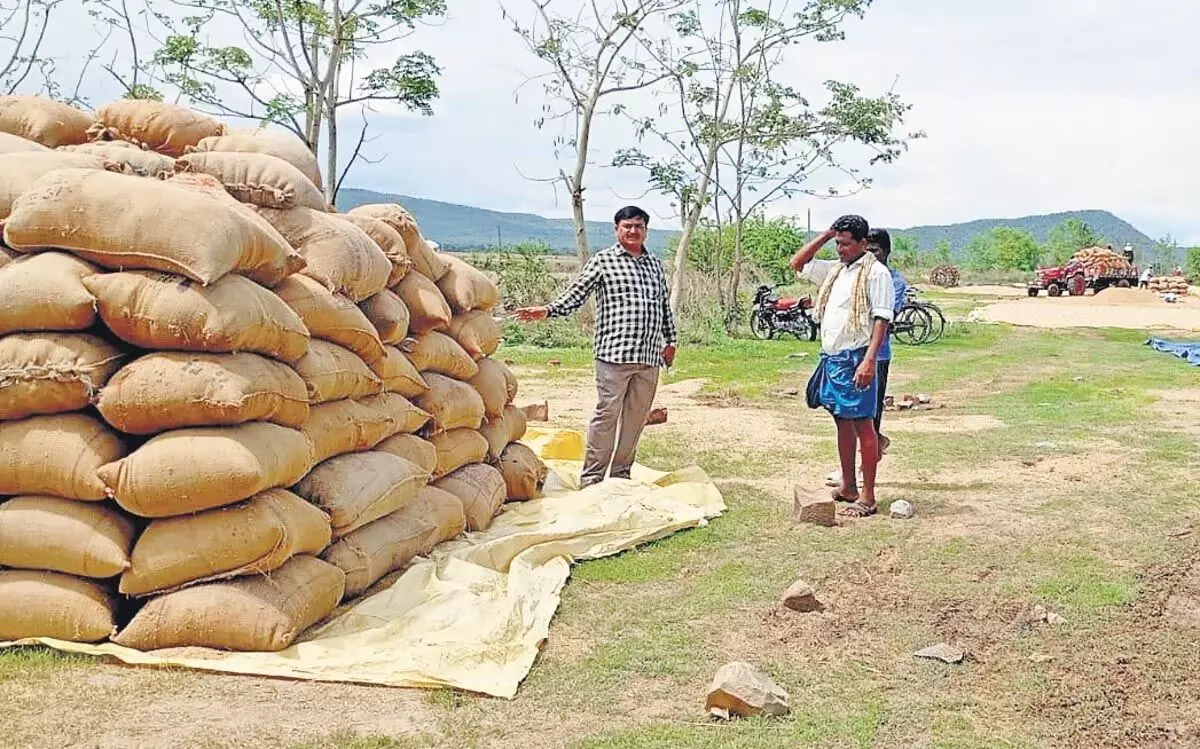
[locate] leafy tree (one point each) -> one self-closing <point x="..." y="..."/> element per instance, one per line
<point x="1069" y="237"/>
<point x="941" y="252"/>
<point x="1193" y="264"/>
<point x="905" y="253"/>
<point x="1014" y="249"/>
<point x="768" y="244"/>
<point x="980" y="253"/>
<point x="1166" y="255"/>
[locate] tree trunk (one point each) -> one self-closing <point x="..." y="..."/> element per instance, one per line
<point x="584" y="137"/>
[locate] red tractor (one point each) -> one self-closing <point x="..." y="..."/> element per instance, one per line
<point x="1075" y="278"/>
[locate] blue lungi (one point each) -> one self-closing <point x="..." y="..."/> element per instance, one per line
<point x="832" y="386"/>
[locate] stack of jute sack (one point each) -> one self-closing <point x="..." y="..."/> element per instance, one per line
<point x="1177" y="285"/>
<point x="225" y="408"/>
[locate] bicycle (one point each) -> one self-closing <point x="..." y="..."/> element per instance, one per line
<point x="918" y="322"/>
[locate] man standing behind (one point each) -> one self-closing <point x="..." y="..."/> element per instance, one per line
<point x="879" y="244"/>
<point x="635" y="335"/>
<point x="854" y="308"/>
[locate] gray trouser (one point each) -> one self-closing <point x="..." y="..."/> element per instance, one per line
<point x="624" y="395"/>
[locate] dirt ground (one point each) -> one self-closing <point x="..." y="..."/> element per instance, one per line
<point x="1111" y="308"/>
<point x="987" y="290"/>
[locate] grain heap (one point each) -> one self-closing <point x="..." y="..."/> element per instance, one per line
<point x="222" y="403"/>
<point x="1177" y="285"/>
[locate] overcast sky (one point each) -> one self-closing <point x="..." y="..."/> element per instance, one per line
<point x="1031" y="106"/>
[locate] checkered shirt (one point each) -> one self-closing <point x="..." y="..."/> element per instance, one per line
<point x="633" y="317"/>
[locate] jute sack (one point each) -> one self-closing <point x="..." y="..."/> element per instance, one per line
<point x="338" y="254"/>
<point x="413" y="449"/>
<point x="332" y="373"/>
<point x="173" y="390"/>
<point x="524" y="472"/>
<point x="57" y="455"/>
<point x="481" y="490"/>
<point x="45" y="121"/>
<point x="477" y="333"/>
<point x="357" y="488"/>
<point x="425" y="261"/>
<point x="438" y="352"/>
<point x="331" y="317"/>
<point x="405" y="417"/>
<point x="391" y="542"/>
<point x="257" y="613"/>
<point x="252" y="537"/>
<point x="20" y="172"/>
<point x="7" y="256"/>
<point x="130" y="158"/>
<point x="388" y="240"/>
<point x="256" y="178"/>
<point x="154" y="125"/>
<point x="398" y="374"/>
<point x="466" y="288"/>
<point x="51" y="604"/>
<point x="388" y="314"/>
<point x="16" y="144"/>
<point x="161" y="311"/>
<point x="120" y="221"/>
<point x="190" y="470"/>
<point x="426" y="307"/>
<point x="46" y="292"/>
<point x="50" y="373"/>
<point x="457" y="448"/>
<point x="451" y="404"/>
<point x="277" y="143"/>
<point x="61" y="535"/>
<point x="492" y="386"/>
<point x="345" y="426"/>
<point x="499" y="432"/>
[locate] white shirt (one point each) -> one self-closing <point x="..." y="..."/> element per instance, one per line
<point x="837" y="333"/>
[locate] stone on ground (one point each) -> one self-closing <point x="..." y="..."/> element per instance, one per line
<point x="739" y="689"/>
<point x="814" y="508"/>
<point x="802" y="597"/>
<point x="942" y="652"/>
<point x="902" y="509"/>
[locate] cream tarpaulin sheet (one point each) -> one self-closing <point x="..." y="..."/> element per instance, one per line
<point x="474" y="614"/>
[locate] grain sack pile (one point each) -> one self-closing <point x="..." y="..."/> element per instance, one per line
<point x="1100" y="261"/>
<point x="1177" y="285"/>
<point x="225" y="408"/>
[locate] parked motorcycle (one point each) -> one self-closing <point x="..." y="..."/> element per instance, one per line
<point x="774" y="316"/>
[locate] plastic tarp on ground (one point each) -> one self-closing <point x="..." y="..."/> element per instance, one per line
<point x="474" y="614"/>
<point x="1189" y="351"/>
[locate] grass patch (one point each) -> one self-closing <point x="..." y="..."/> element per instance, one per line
<point x="32" y="662"/>
<point x="351" y="740"/>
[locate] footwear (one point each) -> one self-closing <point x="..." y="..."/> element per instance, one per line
<point x="839" y="497"/>
<point x="859" y="509"/>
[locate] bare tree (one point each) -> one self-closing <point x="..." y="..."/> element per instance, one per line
<point x="23" y="28"/>
<point x="591" y="53"/>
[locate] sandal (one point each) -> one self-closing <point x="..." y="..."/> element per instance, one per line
<point x="839" y="497"/>
<point x="859" y="509"/>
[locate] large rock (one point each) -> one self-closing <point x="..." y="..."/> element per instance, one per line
<point x="741" y="689"/>
<point x="802" y="597"/>
<point x="814" y="508"/>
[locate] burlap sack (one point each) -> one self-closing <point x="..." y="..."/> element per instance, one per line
<point x="481" y="490"/>
<point x="161" y="311"/>
<point x="477" y="333"/>
<point x="331" y="317"/>
<point x="345" y="426"/>
<point x="388" y="240"/>
<point x="338" y="254"/>
<point x="50" y="373"/>
<point x="360" y="487"/>
<point x="20" y="172"/>
<point x="499" y="432"/>
<point x="524" y="472"/>
<point x="413" y="449"/>
<point x="190" y="470"/>
<point x="510" y="382"/>
<point x="174" y="390"/>
<point x="425" y="261"/>
<point x="51" y="604"/>
<point x="388" y="314"/>
<point x="46" y="292"/>
<point x="451" y="404"/>
<point x="256" y="178"/>
<point x="426" y="307"/>
<point x="250" y="538"/>
<point x="44" y="121"/>
<point x="438" y="352"/>
<point x="16" y="144"/>
<point x="467" y="288"/>
<point x="398" y="374"/>
<point x="119" y="221"/>
<point x="256" y="613"/>
<point x="391" y="542"/>
<point x="492" y="386"/>
<point x="7" y="256"/>
<point x="62" y="535"/>
<point x="154" y="125"/>
<point x="406" y="418"/>
<point x="277" y="143"/>
<point x="332" y="373"/>
<point x="130" y="158"/>
<point x="57" y="455"/>
<point x="457" y="448"/>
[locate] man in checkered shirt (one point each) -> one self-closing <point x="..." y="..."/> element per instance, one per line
<point x="635" y="335"/>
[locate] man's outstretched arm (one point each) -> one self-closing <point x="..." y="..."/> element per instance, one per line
<point x="570" y="300"/>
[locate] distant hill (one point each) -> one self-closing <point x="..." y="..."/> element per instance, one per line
<point x="462" y="227"/>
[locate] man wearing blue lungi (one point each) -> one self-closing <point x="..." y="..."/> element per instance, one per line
<point x="854" y="307"/>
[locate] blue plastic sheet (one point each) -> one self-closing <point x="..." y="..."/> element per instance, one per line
<point x="1189" y="351"/>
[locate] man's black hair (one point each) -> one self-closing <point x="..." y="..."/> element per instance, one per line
<point x="881" y="239"/>
<point x="630" y="212"/>
<point x="857" y="226"/>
